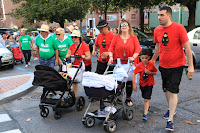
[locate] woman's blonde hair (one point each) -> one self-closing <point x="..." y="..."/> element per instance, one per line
<point x="130" y="28"/>
<point x="61" y="30"/>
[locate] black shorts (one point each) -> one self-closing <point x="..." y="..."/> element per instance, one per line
<point x="88" y="68"/>
<point x="101" y="67"/>
<point x="171" y="78"/>
<point x="146" y="91"/>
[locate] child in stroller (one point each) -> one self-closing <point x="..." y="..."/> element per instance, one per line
<point x="51" y="80"/>
<point x="114" y="98"/>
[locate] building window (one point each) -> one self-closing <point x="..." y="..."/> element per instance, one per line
<point x="111" y="17"/>
<point x="146" y="15"/>
<point x="133" y="16"/>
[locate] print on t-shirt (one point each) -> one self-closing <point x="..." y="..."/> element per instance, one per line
<point x="165" y="39"/>
<point x="104" y="43"/>
<point x="145" y="76"/>
<point x="77" y="55"/>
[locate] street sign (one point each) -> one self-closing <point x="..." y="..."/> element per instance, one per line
<point x="2" y="20"/>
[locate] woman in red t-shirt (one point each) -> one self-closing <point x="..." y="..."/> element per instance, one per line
<point x="82" y="50"/>
<point x="125" y="45"/>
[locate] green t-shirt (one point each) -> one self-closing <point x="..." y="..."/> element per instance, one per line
<point x="63" y="47"/>
<point x="54" y="36"/>
<point x="25" y="42"/>
<point x="46" y="47"/>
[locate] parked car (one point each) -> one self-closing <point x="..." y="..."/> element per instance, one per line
<point x="6" y="57"/>
<point x="5" y="30"/>
<point x="194" y="40"/>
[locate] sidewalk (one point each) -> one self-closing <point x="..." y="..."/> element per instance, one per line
<point x="14" y="87"/>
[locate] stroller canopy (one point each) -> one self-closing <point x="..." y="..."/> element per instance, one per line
<point x="48" y="77"/>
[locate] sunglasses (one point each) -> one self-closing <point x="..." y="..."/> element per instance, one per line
<point x="57" y="34"/>
<point x="144" y="57"/>
<point x="74" y="37"/>
<point x="122" y="25"/>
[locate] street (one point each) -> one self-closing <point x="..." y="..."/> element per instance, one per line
<point x="23" y="114"/>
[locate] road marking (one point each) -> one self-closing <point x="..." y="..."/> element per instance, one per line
<point x="4" y="118"/>
<point x="20" y="68"/>
<point x="12" y="131"/>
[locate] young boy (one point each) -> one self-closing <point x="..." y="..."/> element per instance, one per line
<point x="146" y="70"/>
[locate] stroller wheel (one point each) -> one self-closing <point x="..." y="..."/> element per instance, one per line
<point x="110" y="126"/>
<point x="44" y="112"/>
<point x="89" y="121"/>
<point x="128" y="115"/>
<point x="80" y="103"/>
<point x="58" y="114"/>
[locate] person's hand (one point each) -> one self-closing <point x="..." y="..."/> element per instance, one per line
<point x="152" y="61"/>
<point x="147" y="71"/>
<point x="83" y="56"/>
<point x="135" y="87"/>
<point x="131" y="58"/>
<point x="56" y="62"/>
<point x="110" y="60"/>
<point x="190" y="71"/>
<point x="94" y="53"/>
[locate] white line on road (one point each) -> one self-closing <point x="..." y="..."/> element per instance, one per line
<point x="4" y="118"/>
<point x="12" y="131"/>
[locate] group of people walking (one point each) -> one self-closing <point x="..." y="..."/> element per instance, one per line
<point x="125" y="45"/>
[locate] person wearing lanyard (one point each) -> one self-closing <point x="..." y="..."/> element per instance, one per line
<point x="125" y="45"/>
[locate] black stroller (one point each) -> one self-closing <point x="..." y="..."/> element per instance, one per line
<point x="52" y="81"/>
<point x="113" y="100"/>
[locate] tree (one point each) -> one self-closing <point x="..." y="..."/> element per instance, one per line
<point x="191" y="5"/>
<point x="140" y="4"/>
<point x="51" y="10"/>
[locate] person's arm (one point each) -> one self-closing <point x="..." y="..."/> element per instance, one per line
<point x="69" y="53"/>
<point x="37" y="52"/>
<point x="87" y="55"/>
<point x="57" y="57"/>
<point x="20" y="48"/>
<point x="156" y="53"/>
<point x="149" y="72"/>
<point x="133" y="82"/>
<point x="94" y="50"/>
<point x="188" y="52"/>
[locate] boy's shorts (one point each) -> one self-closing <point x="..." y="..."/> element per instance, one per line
<point x="146" y="91"/>
<point x="171" y="78"/>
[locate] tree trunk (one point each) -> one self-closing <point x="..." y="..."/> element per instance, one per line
<point x="191" y="19"/>
<point x="142" y="19"/>
<point x="81" y="20"/>
<point x="106" y="8"/>
<point x="62" y="24"/>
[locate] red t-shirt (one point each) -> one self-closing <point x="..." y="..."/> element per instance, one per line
<point x="140" y="69"/>
<point x="103" y="42"/>
<point x="171" y="40"/>
<point x="123" y="51"/>
<point x="81" y="51"/>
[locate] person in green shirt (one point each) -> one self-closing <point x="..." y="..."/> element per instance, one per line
<point x="63" y="42"/>
<point x="25" y="46"/>
<point x="46" y="47"/>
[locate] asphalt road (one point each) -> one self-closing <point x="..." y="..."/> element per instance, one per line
<point x="27" y="107"/>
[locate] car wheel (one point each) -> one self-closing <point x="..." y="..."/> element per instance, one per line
<point x="12" y="65"/>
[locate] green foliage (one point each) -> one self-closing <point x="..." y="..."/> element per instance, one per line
<point x="51" y="10"/>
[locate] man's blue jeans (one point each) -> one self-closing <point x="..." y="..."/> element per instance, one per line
<point x="50" y="62"/>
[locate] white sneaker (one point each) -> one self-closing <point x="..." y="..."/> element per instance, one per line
<point x="29" y="63"/>
<point x="26" y="65"/>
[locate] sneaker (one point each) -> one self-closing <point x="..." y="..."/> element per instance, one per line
<point x="148" y="111"/>
<point x="26" y="66"/>
<point x="144" y="117"/>
<point x="29" y="63"/>
<point x="169" y="126"/>
<point x="166" y="116"/>
<point x="129" y="102"/>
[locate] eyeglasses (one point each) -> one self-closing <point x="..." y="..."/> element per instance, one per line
<point x="57" y="34"/>
<point x="74" y="37"/>
<point x="122" y="25"/>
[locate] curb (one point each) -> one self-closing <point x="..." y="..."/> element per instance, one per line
<point x="18" y="92"/>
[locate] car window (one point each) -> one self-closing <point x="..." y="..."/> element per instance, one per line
<point x="197" y="35"/>
<point x="139" y="34"/>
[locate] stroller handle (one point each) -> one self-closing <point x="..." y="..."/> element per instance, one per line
<point x="72" y="56"/>
<point x="123" y="60"/>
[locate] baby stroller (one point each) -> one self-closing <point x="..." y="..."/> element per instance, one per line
<point x="52" y="81"/>
<point x="115" y="100"/>
<point x="17" y="54"/>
